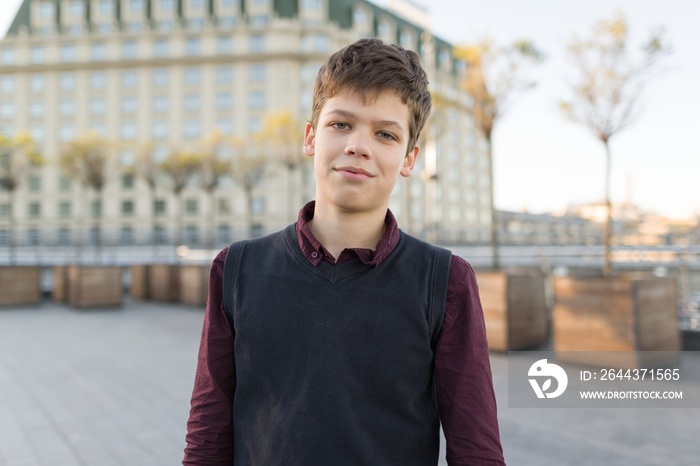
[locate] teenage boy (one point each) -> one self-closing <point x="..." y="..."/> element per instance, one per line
<point x="342" y="340"/>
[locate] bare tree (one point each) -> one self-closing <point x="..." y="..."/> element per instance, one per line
<point x="282" y="137"/>
<point x="179" y="167"/>
<point x="606" y="95"/>
<point x="86" y="159"/>
<point x="18" y="160"/>
<point x="247" y="169"/>
<point x="494" y="75"/>
<point x="215" y="166"/>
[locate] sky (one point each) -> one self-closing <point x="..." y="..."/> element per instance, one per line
<point x="544" y="162"/>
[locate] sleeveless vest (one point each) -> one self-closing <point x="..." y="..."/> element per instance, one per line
<point x="334" y="364"/>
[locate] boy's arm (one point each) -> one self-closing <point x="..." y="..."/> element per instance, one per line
<point x="465" y="397"/>
<point x="210" y="426"/>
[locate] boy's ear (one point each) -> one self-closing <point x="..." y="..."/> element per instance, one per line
<point x="409" y="162"/>
<point x="309" y="141"/>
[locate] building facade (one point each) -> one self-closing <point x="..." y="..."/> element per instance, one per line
<point x="158" y="75"/>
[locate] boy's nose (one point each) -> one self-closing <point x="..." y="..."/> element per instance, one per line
<point x="357" y="145"/>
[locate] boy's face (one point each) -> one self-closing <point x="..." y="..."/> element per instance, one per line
<point x="359" y="150"/>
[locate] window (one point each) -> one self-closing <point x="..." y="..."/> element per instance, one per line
<point x="36" y="54"/>
<point x="160" y="77"/>
<point x="126" y="158"/>
<point x="224" y="101"/>
<point x="7" y="110"/>
<point x="224" y="44"/>
<point x="191" y="206"/>
<point x="192" y="46"/>
<point x="67" y="52"/>
<point x="224" y="74"/>
<point x="98" y="128"/>
<point x="8" y="56"/>
<point x="191" y="102"/>
<point x="129" y="50"/>
<point x="65" y="133"/>
<point x="98" y="51"/>
<point x="127" y="181"/>
<point x="126" y="235"/>
<point x="136" y="6"/>
<point x="229" y="3"/>
<point x="98" y="80"/>
<point x="223" y="234"/>
<point x="160" y="48"/>
<point x="37" y="134"/>
<point x="406" y="40"/>
<point x="313" y="5"/>
<point x="36" y="83"/>
<point x="67" y="81"/>
<point x="128" y="105"/>
<point x="4" y="210"/>
<point x="257" y="43"/>
<point x="128" y="131"/>
<point x="254" y="124"/>
<point x="34" y="210"/>
<point x="46" y="10"/>
<point x="129" y="78"/>
<point x="36" y="109"/>
<point x="64" y="183"/>
<point x="7" y="84"/>
<point x="64" y="209"/>
<point x="166" y="5"/>
<point x="191" y="235"/>
<point x="34" y="184"/>
<point x="63" y="236"/>
<point x="192" y="76"/>
<point x="97" y="107"/>
<point x="160" y="130"/>
<point x="127" y="207"/>
<point x="224" y="206"/>
<point x="75" y="9"/>
<point x="159" y="207"/>
<point x="33" y="237"/>
<point x="67" y="107"/>
<point x="196" y="4"/>
<point x="192" y="130"/>
<point x="105" y="7"/>
<point x="96" y="208"/>
<point x="257" y="206"/>
<point x="257" y="72"/>
<point x="160" y="104"/>
<point x="224" y="125"/>
<point x="257" y="100"/>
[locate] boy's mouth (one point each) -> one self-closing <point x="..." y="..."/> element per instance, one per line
<point x="354" y="173"/>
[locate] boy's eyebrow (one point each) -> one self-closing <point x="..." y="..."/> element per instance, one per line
<point x="346" y="114"/>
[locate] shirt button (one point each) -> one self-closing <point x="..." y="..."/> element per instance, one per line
<point x="314" y="254"/>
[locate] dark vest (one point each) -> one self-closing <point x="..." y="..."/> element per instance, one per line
<point x="334" y="364"/>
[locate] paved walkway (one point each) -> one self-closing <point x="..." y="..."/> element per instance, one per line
<point x="112" y="387"/>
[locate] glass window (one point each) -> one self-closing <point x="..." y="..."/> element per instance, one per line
<point x="127" y="158"/>
<point x="257" y="42"/>
<point x="127" y="207"/>
<point x="129" y="49"/>
<point x="160" y="130"/>
<point x="159" y="206"/>
<point x="127" y="181"/>
<point x="46" y="10"/>
<point x="257" y="206"/>
<point x="75" y="9"/>
<point x="98" y="128"/>
<point x="105" y="7"/>
<point x="8" y="56"/>
<point x="36" y="54"/>
<point x="34" y="209"/>
<point x="129" y="78"/>
<point x="128" y="131"/>
<point x="67" y="81"/>
<point x="128" y="105"/>
<point x="191" y="206"/>
<point x="36" y="82"/>
<point x="224" y="74"/>
<point x="224" y="44"/>
<point x="98" y="80"/>
<point x="64" y="209"/>
<point x="7" y="84"/>
<point x="7" y="110"/>
<point x="254" y="124"/>
<point x="192" y="76"/>
<point x="98" y="51"/>
<point x="192" y="46"/>
<point x="36" y="109"/>
<point x="191" y="102"/>
<point x="64" y="183"/>
<point x="160" y="104"/>
<point x="126" y="235"/>
<point x="63" y="236"/>
<point x="257" y="100"/>
<point x="225" y="125"/>
<point x="65" y="133"/>
<point x="229" y="3"/>
<point x="97" y="107"/>
<point x="4" y="210"/>
<point x="33" y="237"/>
<point x="191" y="235"/>
<point x="34" y="184"/>
<point x="67" y="107"/>
<point x="37" y="134"/>
<point x="136" y="6"/>
<point x="196" y="4"/>
<point x="257" y="72"/>
<point x="166" y="5"/>
<point x="160" y="48"/>
<point x="96" y="208"/>
<point x="224" y="101"/>
<point x="192" y="129"/>
<point x="160" y="77"/>
<point x="68" y="52"/>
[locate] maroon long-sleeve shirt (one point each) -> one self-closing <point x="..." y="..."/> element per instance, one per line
<point x="464" y="388"/>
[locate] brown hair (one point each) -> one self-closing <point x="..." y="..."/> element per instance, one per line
<point x="369" y="67"/>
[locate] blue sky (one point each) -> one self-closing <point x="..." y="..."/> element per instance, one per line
<point x="544" y="162"/>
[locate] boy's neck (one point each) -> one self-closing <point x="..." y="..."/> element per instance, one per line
<point x="338" y="230"/>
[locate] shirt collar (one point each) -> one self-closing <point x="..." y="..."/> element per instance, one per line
<point x="314" y="251"/>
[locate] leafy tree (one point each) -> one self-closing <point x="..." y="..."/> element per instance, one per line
<point x="86" y="159"/>
<point x="606" y="95"/>
<point x="494" y="75"/>
<point x="282" y="137"/>
<point x="18" y="160"/>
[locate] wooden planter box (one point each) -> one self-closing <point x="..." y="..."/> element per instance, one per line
<point x="94" y="286"/>
<point x="515" y="309"/>
<point x="138" y="285"/>
<point x="20" y="285"/>
<point x="626" y="315"/>
<point x="194" y="284"/>
<point x="59" y="290"/>
<point x="164" y="282"/>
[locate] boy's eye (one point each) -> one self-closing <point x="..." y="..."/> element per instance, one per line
<point x="385" y="135"/>
<point x="340" y="125"/>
